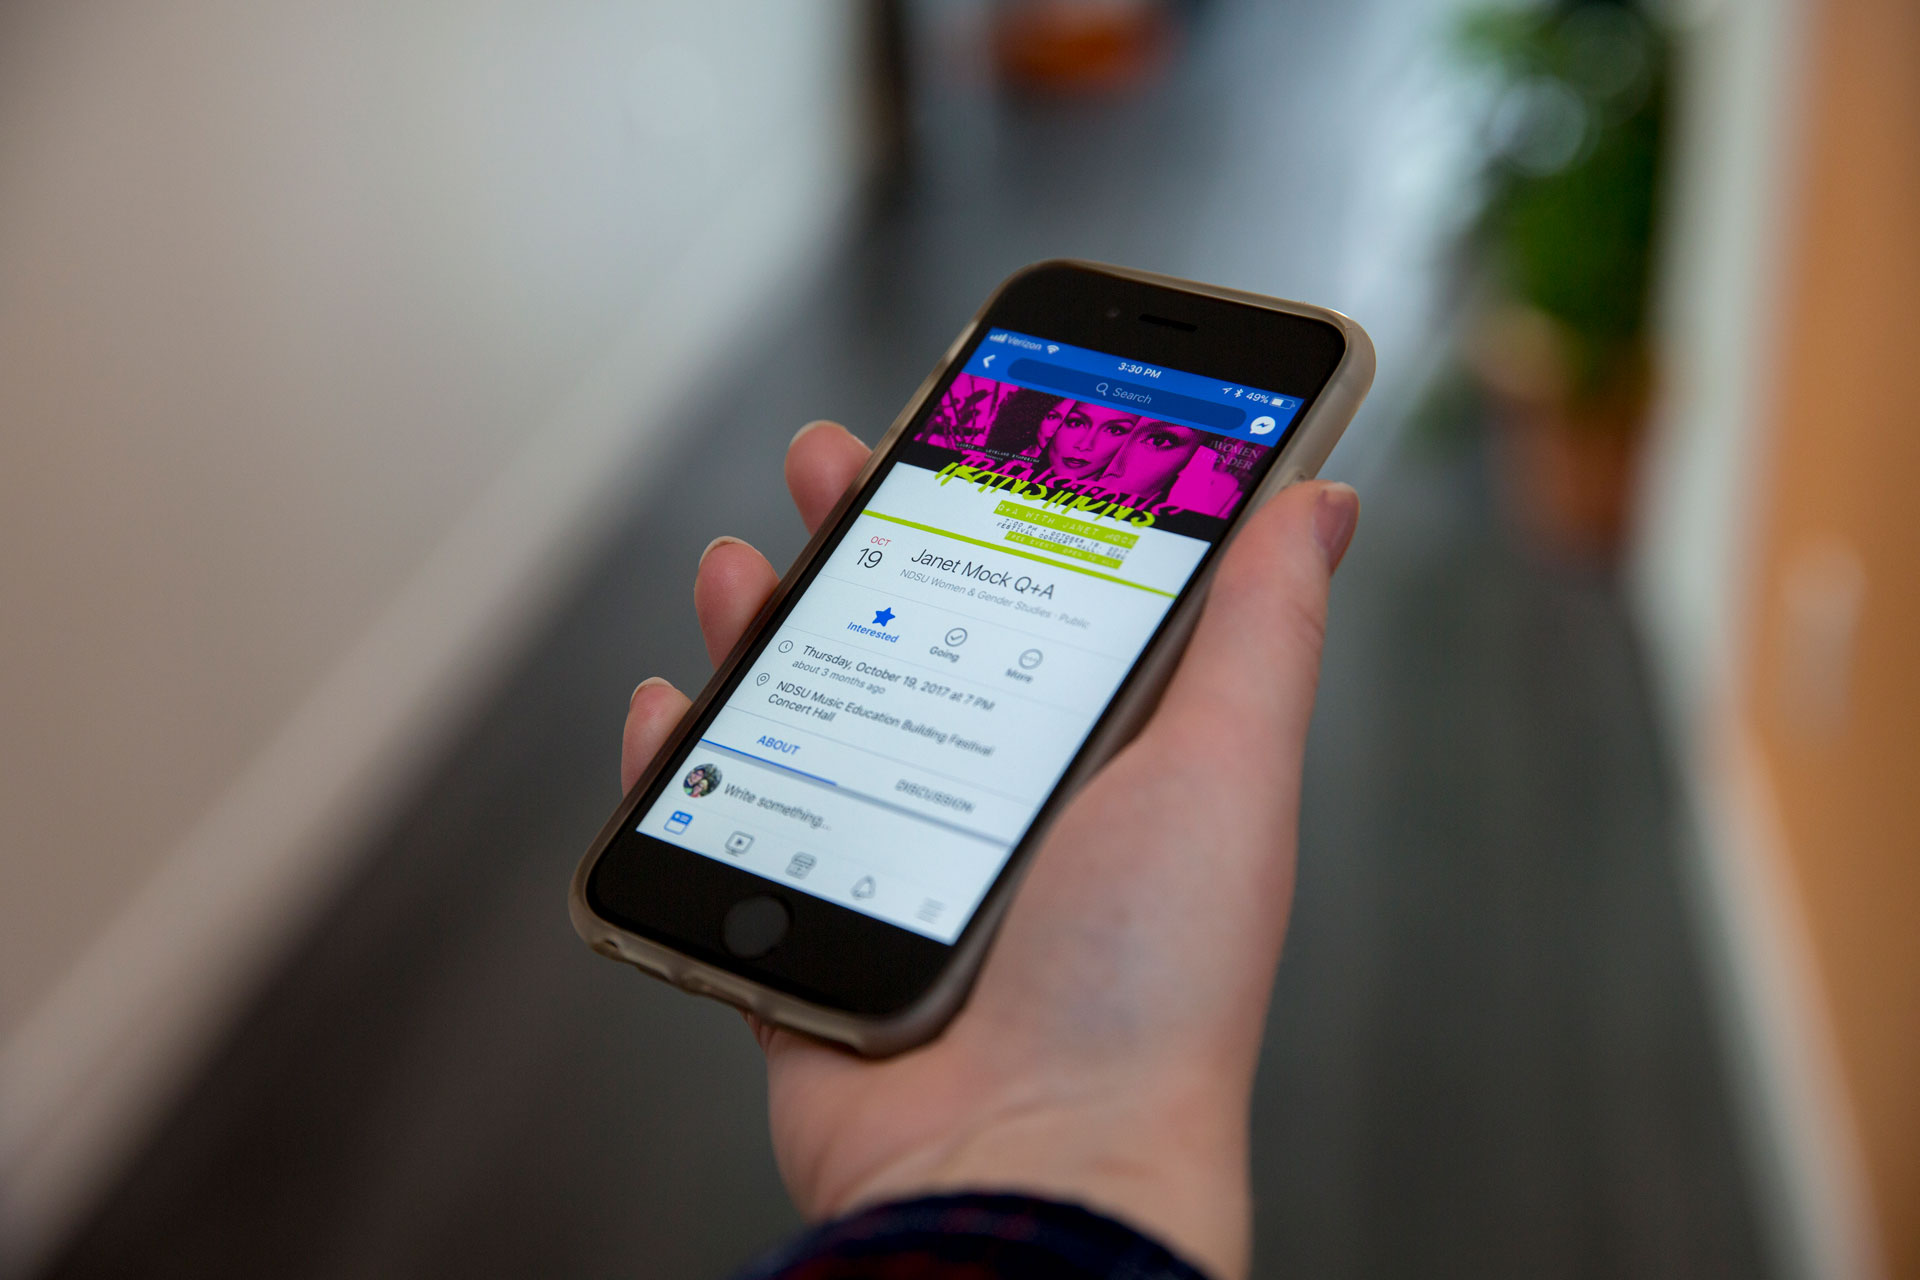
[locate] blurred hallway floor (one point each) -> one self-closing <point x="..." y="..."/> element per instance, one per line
<point x="1490" y="1051"/>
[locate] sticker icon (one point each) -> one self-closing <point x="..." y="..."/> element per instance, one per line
<point x="863" y="887"/>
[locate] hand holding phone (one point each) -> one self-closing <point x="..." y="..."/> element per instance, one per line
<point x="1106" y="1052"/>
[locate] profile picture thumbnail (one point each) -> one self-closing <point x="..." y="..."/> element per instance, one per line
<point x="701" y="780"/>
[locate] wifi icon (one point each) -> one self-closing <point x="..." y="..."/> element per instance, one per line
<point x="1052" y="347"/>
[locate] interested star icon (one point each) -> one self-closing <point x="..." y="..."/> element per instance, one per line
<point x="883" y="617"/>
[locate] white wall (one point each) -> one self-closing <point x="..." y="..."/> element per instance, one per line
<point x="1724" y="240"/>
<point x="1689" y="574"/>
<point x="324" y="327"/>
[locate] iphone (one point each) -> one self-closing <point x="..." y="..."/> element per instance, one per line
<point x="835" y="829"/>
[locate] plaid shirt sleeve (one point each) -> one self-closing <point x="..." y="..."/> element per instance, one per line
<point x="973" y="1237"/>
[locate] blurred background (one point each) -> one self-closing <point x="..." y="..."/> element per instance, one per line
<point x="372" y="374"/>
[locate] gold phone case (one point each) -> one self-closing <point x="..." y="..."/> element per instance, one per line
<point x="1301" y="457"/>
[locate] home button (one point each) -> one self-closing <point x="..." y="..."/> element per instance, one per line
<point x="755" y="926"/>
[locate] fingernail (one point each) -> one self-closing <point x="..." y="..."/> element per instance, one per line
<point x="817" y="422"/>
<point x="725" y="537"/>
<point x="1335" y="513"/>
<point x="643" y="684"/>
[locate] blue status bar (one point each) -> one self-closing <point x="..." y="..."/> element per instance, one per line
<point x="1095" y="377"/>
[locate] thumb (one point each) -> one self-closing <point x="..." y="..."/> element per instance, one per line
<point x="1245" y="685"/>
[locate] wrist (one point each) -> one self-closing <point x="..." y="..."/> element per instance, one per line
<point x="1178" y="1175"/>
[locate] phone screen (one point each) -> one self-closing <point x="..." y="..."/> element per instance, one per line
<point x="919" y="701"/>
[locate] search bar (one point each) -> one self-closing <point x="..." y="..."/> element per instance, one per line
<point x="1098" y="389"/>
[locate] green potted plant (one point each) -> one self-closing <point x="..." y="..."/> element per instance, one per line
<point x="1561" y="255"/>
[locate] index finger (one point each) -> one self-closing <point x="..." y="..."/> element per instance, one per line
<point x="822" y="461"/>
<point x="1246" y="682"/>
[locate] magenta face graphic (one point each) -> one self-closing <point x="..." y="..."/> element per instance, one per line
<point x="1146" y="465"/>
<point x="1177" y="473"/>
<point x="1085" y="441"/>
